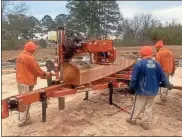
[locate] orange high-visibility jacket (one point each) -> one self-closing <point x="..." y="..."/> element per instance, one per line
<point x="27" y="69"/>
<point x="166" y="59"/>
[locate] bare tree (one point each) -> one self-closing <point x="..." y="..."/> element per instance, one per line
<point x="5" y="8"/>
<point x="137" y="28"/>
<point x="9" y="7"/>
<point x="14" y="15"/>
<point x="20" y="8"/>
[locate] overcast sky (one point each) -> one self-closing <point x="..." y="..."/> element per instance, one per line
<point x="163" y="10"/>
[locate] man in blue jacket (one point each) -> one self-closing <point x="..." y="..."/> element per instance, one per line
<point x="146" y="78"/>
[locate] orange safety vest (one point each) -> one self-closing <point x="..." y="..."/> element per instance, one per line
<point x="27" y="69"/>
<point x="166" y="59"/>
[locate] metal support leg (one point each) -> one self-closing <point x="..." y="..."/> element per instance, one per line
<point x="86" y="95"/>
<point x="43" y="99"/>
<point x="61" y="103"/>
<point x="49" y="81"/>
<point x="110" y="86"/>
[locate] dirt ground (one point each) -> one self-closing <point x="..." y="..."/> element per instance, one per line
<point x="94" y="117"/>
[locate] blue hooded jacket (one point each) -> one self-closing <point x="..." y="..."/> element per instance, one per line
<point x="146" y="77"/>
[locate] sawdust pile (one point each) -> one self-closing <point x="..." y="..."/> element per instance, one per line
<point x="83" y="65"/>
<point x="120" y="57"/>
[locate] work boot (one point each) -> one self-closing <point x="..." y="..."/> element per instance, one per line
<point x="162" y="102"/>
<point x="27" y="122"/>
<point x="134" y="122"/>
<point x="144" y="126"/>
<point x="163" y="99"/>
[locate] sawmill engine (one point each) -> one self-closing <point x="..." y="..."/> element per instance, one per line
<point x="73" y="43"/>
<point x="102" y="50"/>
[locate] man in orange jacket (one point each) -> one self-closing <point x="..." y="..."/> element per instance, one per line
<point x="165" y="57"/>
<point x="27" y="71"/>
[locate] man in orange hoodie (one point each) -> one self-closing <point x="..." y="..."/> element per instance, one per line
<point x="165" y="57"/>
<point x="27" y="71"/>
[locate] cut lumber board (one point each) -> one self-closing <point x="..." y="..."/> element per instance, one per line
<point x="75" y="75"/>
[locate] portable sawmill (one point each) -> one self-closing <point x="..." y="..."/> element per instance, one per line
<point x="79" y="66"/>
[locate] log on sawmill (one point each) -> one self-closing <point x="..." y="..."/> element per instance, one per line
<point x="82" y="72"/>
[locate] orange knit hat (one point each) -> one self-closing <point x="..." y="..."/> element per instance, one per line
<point x="159" y="44"/>
<point x="30" y="46"/>
<point x="146" y="51"/>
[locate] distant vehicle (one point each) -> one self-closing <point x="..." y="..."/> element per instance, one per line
<point x="52" y="36"/>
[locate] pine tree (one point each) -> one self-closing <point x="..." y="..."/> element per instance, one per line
<point x="98" y="18"/>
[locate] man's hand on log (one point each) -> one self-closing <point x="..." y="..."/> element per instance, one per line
<point x="47" y="75"/>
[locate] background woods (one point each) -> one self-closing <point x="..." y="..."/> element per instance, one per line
<point x="97" y="19"/>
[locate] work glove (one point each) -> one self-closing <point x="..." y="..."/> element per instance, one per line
<point x="169" y="86"/>
<point x="129" y="90"/>
<point x="46" y="75"/>
<point x="172" y="74"/>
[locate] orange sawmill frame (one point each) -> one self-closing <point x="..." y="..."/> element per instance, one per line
<point x="61" y="90"/>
